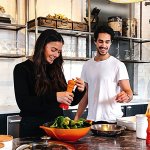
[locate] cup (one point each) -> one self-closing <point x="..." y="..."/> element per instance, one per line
<point x="141" y="126"/>
<point x="7" y="140"/>
<point x="127" y="55"/>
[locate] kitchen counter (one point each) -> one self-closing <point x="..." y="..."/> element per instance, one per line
<point x="9" y="109"/>
<point x="133" y="102"/>
<point x="127" y="140"/>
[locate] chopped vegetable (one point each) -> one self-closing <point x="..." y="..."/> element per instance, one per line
<point x="67" y="123"/>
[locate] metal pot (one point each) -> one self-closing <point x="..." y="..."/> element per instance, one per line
<point x="107" y="129"/>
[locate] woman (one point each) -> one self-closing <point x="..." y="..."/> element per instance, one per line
<point x="40" y="85"/>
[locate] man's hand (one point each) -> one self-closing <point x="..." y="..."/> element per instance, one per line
<point x="122" y="97"/>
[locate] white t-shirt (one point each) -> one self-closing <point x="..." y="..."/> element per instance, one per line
<point x="102" y="78"/>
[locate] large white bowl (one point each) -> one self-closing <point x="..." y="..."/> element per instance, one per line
<point x="128" y="122"/>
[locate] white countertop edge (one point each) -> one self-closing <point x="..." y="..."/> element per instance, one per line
<point x="133" y="103"/>
<point x="10" y="109"/>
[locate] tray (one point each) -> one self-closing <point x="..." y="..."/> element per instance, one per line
<point x="64" y="24"/>
<point x="80" y="26"/>
<point x="43" y="21"/>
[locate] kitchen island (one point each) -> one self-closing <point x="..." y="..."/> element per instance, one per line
<point x="126" y="141"/>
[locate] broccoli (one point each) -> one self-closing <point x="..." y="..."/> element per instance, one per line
<point x="66" y="123"/>
<point x="58" y="122"/>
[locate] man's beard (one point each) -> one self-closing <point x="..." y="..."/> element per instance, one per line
<point x="99" y="51"/>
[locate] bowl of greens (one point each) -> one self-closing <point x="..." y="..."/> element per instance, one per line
<point x="66" y="129"/>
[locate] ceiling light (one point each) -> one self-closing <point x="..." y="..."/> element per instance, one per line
<point x="125" y="1"/>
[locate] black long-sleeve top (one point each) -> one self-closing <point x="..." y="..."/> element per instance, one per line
<point x="46" y="105"/>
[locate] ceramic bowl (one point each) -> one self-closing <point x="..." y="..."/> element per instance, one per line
<point x="68" y="135"/>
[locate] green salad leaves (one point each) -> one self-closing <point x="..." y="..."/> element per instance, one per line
<point x="67" y="123"/>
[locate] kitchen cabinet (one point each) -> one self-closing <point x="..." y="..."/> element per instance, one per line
<point x="123" y="108"/>
<point x="132" y="110"/>
<point x="12" y="48"/>
<point x="3" y="122"/>
<point x="71" y="113"/>
<point x="128" y="110"/>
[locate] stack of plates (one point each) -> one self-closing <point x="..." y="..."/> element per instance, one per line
<point x="128" y="122"/>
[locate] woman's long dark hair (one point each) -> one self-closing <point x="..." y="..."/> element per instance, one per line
<point x="48" y="76"/>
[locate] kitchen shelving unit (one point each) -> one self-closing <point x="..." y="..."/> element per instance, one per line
<point x="131" y="42"/>
<point x="14" y="27"/>
<point x="38" y="29"/>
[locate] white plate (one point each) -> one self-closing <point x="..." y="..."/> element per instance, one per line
<point x="128" y="122"/>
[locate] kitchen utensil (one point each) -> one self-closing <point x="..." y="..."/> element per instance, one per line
<point x="107" y="129"/>
<point x="69" y="135"/>
<point x="70" y="87"/>
<point x="128" y="122"/>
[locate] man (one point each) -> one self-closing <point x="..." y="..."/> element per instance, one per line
<point x="107" y="82"/>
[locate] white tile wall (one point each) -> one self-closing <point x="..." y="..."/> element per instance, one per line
<point x="72" y="69"/>
<point x="7" y="96"/>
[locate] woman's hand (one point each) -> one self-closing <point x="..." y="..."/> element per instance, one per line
<point x="80" y="84"/>
<point x="65" y="97"/>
